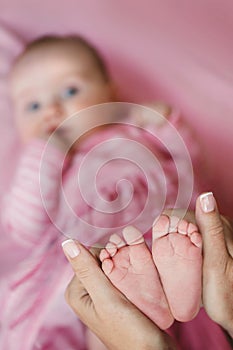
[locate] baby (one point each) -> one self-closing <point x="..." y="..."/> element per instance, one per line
<point x="51" y="80"/>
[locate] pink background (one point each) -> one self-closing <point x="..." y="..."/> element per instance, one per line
<point x="179" y="51"/>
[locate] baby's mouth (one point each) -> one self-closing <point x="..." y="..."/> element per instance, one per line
<point x="52" y="127"/>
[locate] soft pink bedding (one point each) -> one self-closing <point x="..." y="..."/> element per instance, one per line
<point x="177" y="51"/>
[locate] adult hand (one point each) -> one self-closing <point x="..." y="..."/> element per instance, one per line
<point x="217" y="234"/>
<point x="105" y="310"/>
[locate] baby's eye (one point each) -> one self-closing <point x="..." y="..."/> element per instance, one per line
<point x="70" y="92"/>
<point x="33" y="106"/>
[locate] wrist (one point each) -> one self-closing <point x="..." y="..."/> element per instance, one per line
<point x="157" y="340"/>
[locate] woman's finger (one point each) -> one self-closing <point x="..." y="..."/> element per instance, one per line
<point x="211" y="227"/>
<point x="88" y="271"/>
<point x="77" y="297"/>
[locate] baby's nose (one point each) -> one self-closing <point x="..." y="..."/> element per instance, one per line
<point x="54" y="110"/>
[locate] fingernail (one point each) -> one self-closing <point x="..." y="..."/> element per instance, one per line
<point x="207" y="202"/>
<point x="70" y="248"/>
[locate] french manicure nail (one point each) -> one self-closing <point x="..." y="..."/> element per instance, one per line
<point x="70" y="248"/>
<point x="207" y="202"/>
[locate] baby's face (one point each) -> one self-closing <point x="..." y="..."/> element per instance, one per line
<point x="47" y="86"/>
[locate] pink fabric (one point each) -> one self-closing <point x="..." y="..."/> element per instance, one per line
<point x="199" y="334"/>
<point x="34" y="313"/>
<point x="180" y="52"/>
<point x="10" y="46"/>
<point x="84" y="194"/>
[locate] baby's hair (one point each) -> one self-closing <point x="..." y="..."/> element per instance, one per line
<point x="70" y="39"/>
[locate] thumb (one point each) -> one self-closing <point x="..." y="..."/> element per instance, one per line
<point x="87" y="270"/>
<point x="211" y="227"/>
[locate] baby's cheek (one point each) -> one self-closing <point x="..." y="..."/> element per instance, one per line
<point x="22" y="129"/>
<point x="28" y="135"/>
<point x="30" y="131"/>
<point x="74" y="106"/>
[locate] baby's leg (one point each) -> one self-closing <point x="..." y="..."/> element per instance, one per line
<point x="131" y="269"/>
<point x="177" y="255"/>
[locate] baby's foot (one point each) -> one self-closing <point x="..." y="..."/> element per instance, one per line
<point x="177" y="255"/>
<point x="131" y="269"/>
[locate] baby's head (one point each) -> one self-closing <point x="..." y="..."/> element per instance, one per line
<point x="52" y="79"/>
